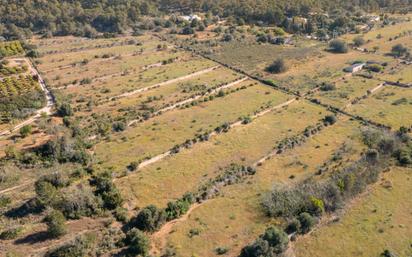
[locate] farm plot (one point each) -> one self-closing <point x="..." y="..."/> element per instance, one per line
<point x="402" y="74"/>
<point x="341" y="94"/>
<point x="103" y="90"/>
<point x="376" y="222"/>
<point x="254" y="58"/>
<point x="165" y="131"/>
<point x="52" y="62"/>
<point x="103" y="68"/>
<point x="151" y="101"/>
<point x="162" y="181"/>
<point x="391" y="106"/>
<point x="215" y="223"/>
<point x="67" y="44"/>
<point x="19" y="97"/>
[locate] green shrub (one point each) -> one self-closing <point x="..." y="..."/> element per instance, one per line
<point x="56" y="226"/>
<point x="79" y="248"/>
<point x="64" y="109"/>
<point x="273" y="242"/>
<point x="221" y="250"/>
<point x="330" y="119"/>
<point x="25" y="130"/>
<point x="138" y="242"/>
<point x="338" y="46"/>
<point x="307" y="221"/>
<point x="278" y="66"/>
<point x="10" y="234"/>
<point x="150" y="218"/>
<point x="119" y="126"/>
<point x="358" y="41"/>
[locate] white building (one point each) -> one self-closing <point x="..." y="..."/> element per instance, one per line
<point x="191" y="17"/>
<point x="355" y="67"/>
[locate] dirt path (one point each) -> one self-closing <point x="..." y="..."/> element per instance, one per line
<point x="158" y="239"/>
<point x="165" y="83"/>
<point x="10" y="189"/>
<point x="370" y="92"/>
<point x="50" y="102"/>
<point x="189" y="100"/>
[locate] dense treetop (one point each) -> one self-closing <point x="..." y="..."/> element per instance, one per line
<point x="20" y="18"/>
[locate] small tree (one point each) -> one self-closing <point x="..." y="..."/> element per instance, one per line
<point x="64" y="110"/>
<point x="399" y="50"/>
<point x="338" y="46"/>
<point x="278" y="66"/>
<point x="25" y="130"/>
<point x="138" y="242"/>
<point x="358" y="41"/>
<point x="330" y="119"/>
<point x="56" y="226"/>
<point x="307" y="221"/>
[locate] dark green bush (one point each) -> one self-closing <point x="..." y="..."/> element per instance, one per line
<point x="138" y="242"/>
<point x="56" y="226"/>
<point x="150" y="219"/>
<point x="273" y="242"/>
<point x="306" y="221"/>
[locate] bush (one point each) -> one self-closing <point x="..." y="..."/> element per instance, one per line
<point x="79" y="201"/>
<point x="150" y="218"/>
<point x="374" y="67"/>
<point x="10" y="234"/>
<point x="79" y="248"/>
<point x="399" y="50"/>
<point x="221" y="250"/>
<point x="278" y="66"/>
<point x="306" y="221"/>
<point x="56" y="226"/>
<point x="330" y="119"/>
<point x="57" y="179"/>
<point x="178" y="208"/>
<point x="273" y="242"/>
<point x="119" y="126"/>
<point x="327" y="87"/>
<point x="138" y="242"/>
<point x="64" y="110"/>
<point x="25" y="130"/>
<point x="106" y="189"/>
<point x="358" y="41"/>
<point x="338" y="46"/>
<point x="47" y="194"/>
<point x="293" y="226"/>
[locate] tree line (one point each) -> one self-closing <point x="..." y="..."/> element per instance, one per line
<point x="20" y="19"/>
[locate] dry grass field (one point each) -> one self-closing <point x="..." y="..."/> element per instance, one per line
<point x="378" y="221"/>
<point x="165" y="120"/>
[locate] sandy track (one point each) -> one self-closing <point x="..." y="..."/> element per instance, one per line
<point x="158" y="238"/>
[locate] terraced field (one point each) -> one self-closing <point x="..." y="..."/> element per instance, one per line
<point x="192" y="145"/>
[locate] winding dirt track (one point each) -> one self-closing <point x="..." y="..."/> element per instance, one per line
<point x="158" y="239"/>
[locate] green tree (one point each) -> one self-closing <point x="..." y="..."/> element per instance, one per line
<point x="338" y="46"/>
<point x="56" y="226"/>
<point x="358" y="41"/>
<point x="25" y="130"/>
<point x="278" y="66"/>
<point x="138" y="242"/>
